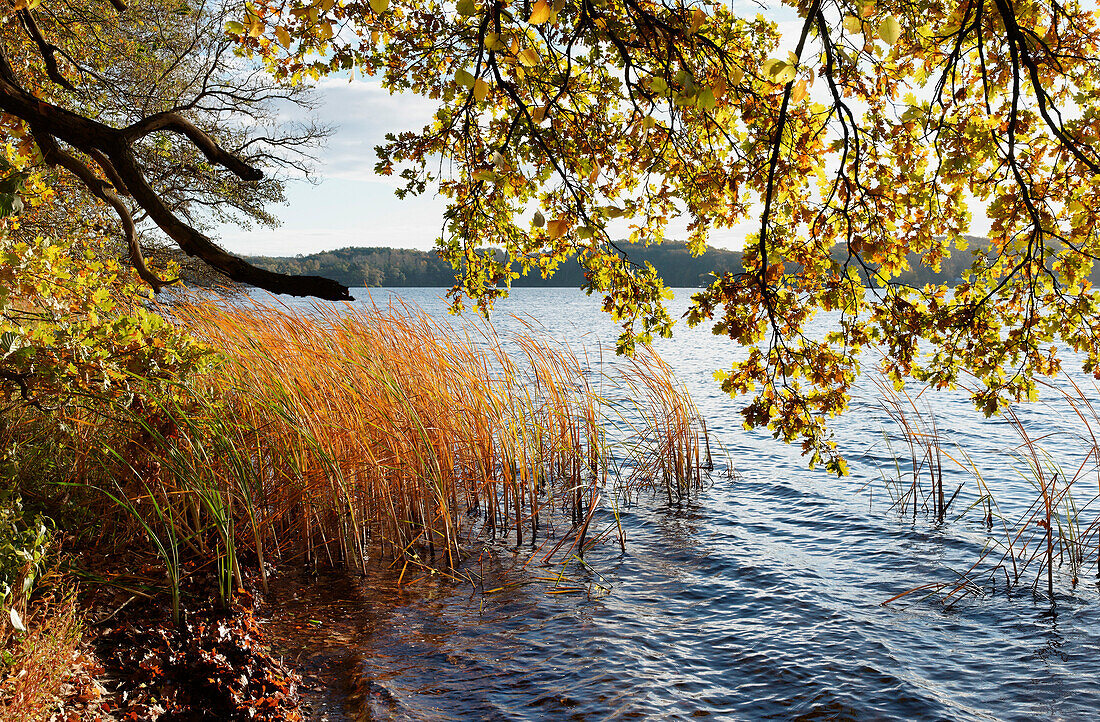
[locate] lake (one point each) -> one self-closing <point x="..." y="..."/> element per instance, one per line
<point x="762" y="598"/>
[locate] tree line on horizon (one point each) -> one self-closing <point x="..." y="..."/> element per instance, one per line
<point x="377" y="267"/>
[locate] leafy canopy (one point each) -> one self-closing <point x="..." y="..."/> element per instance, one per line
<point x="562" y="122"/>
<point x="155" y="118"/>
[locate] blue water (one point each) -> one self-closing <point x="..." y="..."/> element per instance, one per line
<point x="759" y="599"/>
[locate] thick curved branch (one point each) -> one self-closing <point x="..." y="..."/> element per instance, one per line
<point x="109" y="170"/>
<point x="112" y="150"/>
<point x="54" y="155"/>
<point x="177" y="123"/>
<point x="195" y="243"/>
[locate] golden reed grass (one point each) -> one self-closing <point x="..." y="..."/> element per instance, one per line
<point x="360" y="431"/>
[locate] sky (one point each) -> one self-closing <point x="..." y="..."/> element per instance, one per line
<point x="349" y="205"/>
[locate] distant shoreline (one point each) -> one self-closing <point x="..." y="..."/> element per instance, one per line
<point x="400" y="267"/>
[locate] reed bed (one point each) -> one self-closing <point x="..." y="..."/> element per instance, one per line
<point x="674" y="449"/>
<point x="1054" y="535"/>
<point x="343" y="434"/>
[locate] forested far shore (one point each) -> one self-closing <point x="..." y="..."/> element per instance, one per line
<point x="377" y="267"/>
<point x="396" y="267"/>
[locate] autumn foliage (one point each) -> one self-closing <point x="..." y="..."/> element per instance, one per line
<point x="873" y="134"/>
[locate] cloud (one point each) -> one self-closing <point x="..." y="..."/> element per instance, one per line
<point x="363" y="113"/>
<point x="338" y="213"/>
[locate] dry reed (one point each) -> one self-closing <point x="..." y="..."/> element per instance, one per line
<point x="349" y="433"/>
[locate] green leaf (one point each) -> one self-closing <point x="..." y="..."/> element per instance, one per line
<point x="706" y="99"/>
<point x="10" y="205"/>
<point x="464" y="79"/>
<point x="9" y="343"/>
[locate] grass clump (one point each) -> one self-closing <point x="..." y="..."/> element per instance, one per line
<point x="38" y="659"/>
<point x="225" y="438"/>
<point x="345" y="433"/>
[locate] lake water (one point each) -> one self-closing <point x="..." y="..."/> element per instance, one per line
<point x="760" y="599"/>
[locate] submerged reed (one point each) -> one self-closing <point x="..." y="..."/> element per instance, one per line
<point x="1058" y="532"/>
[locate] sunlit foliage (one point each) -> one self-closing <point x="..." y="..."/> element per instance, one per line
<point x="873" y="129"/>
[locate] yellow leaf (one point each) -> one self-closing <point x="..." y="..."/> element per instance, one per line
<point x="799" y="92"/>
<point x="852" y="24"/>
<point x="540" y="13"/>
<point x="557" y="227"/>
<point x="379" y="6"/>
<point x="283" y="37"/>
<point x="463" y="78"/>
<point x="778" y="71"/>
<point x="539" y="220"/>
<point x="736" y="75"/>
<point x="481" y="89"/>
<point x="889" y="30"/>
<point x="255" y="26"/>
<point x="529" y="57"/>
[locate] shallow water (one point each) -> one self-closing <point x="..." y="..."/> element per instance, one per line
<point x="761" y="599"/>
